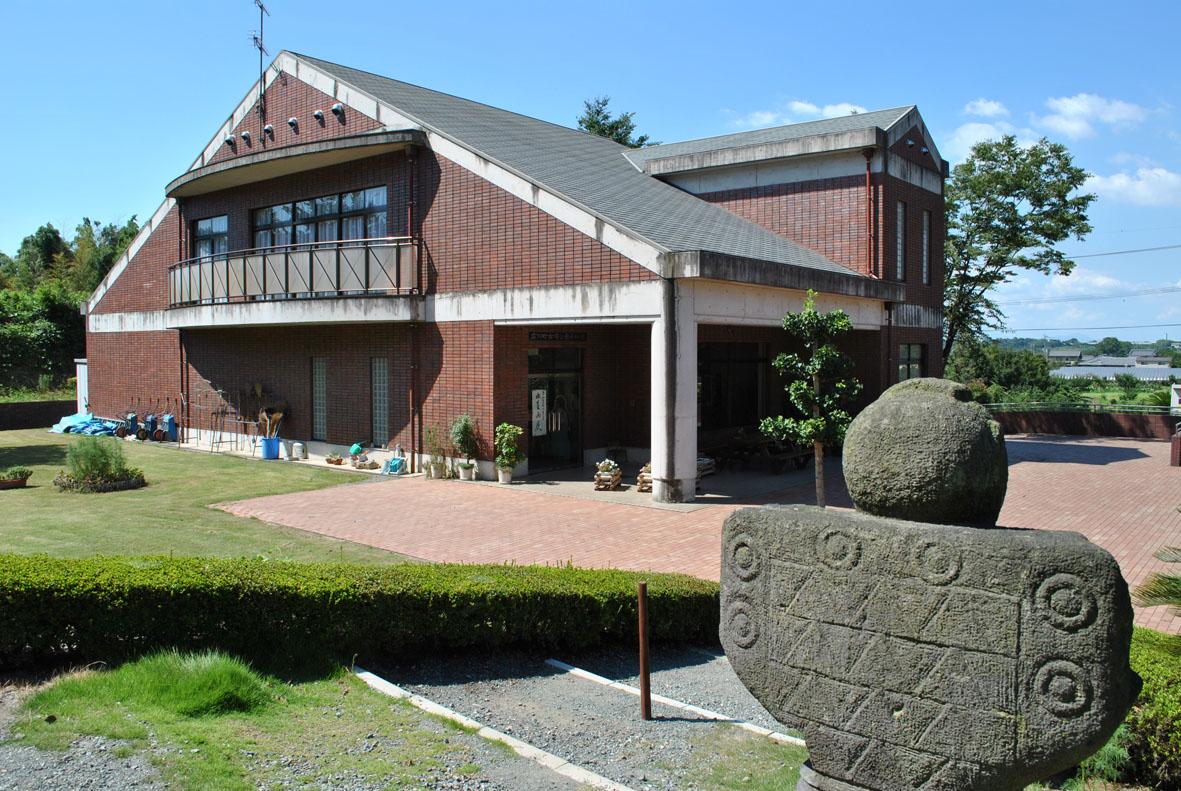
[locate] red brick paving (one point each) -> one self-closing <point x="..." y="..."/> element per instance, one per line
<point x="1120" y="493"/>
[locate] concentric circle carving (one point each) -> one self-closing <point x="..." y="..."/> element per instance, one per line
<point x="741" y="625"/>
<point x="1066" y="602"/>
<point x="745" y="560"/>
<point x="838" y="550"/>
<point x="936" y="563"/>
<point x="1062" y="688"/>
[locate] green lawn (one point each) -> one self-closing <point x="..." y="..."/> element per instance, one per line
<point x="17" y="394"/>
<point x="171" y="515"/>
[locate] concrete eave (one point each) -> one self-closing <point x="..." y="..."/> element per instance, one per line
<point x="274" y="162"/>
<point x="718" y="266"/>
<point x="856" y="139"/>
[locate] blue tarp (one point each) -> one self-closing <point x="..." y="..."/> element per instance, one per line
<point x="83" y="423"/>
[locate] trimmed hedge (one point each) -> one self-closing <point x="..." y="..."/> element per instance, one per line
<point x="112" y="609"/>
<point x="1154" y="723"/>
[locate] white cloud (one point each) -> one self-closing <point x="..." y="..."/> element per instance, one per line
<point x="1076" y="116"/>
<point x="1145" y="187"/>
<point x="986" y="108"/>
<point x="794" y="112"/>
<point x="967" y="135"/>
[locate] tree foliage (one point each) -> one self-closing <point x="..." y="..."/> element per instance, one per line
<point x="817" y="386"/>
<point x="597" y="120"/>
<point x="1007" y="207"/>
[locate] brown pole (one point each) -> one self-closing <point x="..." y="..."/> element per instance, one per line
<point x="869" y="268"/>
<point x="645" y="684"/>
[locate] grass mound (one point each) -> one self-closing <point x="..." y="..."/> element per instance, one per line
<point x="201" y="684"/>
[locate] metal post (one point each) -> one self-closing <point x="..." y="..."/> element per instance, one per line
<point x="645" y="684"/>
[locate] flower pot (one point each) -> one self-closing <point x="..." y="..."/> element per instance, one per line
<point x="14" y="483"/>
<point x="437" y="470"/>
<point x="467" y="473"/>
<point x="503" y="475"/>
<point x="270" y="447"/>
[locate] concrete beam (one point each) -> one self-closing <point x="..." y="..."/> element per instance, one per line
<point x="856" y="139"/>
<point x="718" y="266"/>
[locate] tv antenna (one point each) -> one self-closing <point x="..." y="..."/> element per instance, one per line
<point x="257" y="40"/>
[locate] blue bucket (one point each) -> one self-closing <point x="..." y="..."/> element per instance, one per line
<point x="270" y="447"/>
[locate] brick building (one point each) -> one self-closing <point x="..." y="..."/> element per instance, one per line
<point x="384" y="257"/>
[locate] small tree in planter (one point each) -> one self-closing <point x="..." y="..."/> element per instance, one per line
<point x="463" y="437"/>
<point x="97" y="464"/>
<point x="434" y="449"/>
<point x="14" y="477"/>
<point x="508" y="455"/>
<point x="816" y="387"/>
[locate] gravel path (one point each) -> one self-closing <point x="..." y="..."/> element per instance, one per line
<point x="89" y="763"/>
<point x="589" y="724"/>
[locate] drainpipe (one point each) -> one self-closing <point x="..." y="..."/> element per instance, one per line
<point x="669" y="288"/>
<point x="889" y="345"/>
<point x="868" y="154"/>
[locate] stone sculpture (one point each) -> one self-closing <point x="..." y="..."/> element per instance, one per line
<point x="925" y="451"/>
<point x="926" y="656"/>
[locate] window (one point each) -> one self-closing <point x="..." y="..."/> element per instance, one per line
<point x="320" y="398"/>
<point x="926" y="248"/>
<point x="910" y="361"/>
<point x="360" y="214"/>
<point x="731" y="382"/>
<point x="211" y="236"/>
<point x="900" y="236"/>
<point x="379" y="369"/>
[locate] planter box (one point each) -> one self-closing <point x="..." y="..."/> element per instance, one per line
<point x="606" y="481"/>
<point x="15" y="483"/>
<point x="644" y="482"/>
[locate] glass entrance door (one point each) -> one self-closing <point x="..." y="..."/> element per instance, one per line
<point x="555" y="425"/>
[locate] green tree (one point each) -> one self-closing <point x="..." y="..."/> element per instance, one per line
<point x="38" y="254"/>
<point x="597" y="120"/>
<point x="816" y="386"/>
<point x="1113" y="347"/>
<point x="1162" y="589"/>
<point x="96" y="247"/>
<point x="1007" y="207"/>
<point x="1128" y="385"/>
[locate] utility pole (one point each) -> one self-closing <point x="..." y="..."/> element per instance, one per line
<point x="257" y="40"/>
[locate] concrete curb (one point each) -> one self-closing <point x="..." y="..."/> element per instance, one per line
<point x="539" y="756"/>
<point x="586" y="675"/>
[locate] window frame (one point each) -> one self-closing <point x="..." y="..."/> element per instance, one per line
<point x="212" y="235"/>
<point x="912" y="357"/>
<point x="900" y="241"/>
<point x="313" y="214"/>
<point x="926" y="247"/>
<point x="319" y="387"/>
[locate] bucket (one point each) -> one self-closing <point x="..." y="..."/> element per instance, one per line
<point x="270" y="447"/>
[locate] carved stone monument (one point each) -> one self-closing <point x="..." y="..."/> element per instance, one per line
<point x="925" y="656"/>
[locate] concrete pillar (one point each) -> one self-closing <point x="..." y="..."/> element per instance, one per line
<point x="674" y="396"/>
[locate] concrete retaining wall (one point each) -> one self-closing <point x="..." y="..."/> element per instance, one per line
<point x="1090" y="424"/>
<point x="34" y="414"/>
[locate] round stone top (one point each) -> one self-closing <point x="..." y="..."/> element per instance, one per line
<point x="924" y="451"/>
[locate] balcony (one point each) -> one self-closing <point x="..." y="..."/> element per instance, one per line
<point x="320" y="270"/>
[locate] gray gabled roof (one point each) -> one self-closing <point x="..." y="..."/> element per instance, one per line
<point x="586" y="170"/>
<point x="883" y="119"/>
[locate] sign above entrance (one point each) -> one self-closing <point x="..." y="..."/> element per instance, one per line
<point x="539" y="412"/>
<point x="557" y="336"/>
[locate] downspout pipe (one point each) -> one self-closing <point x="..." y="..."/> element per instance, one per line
<point x="869" y="267"/>
<point x="669" y="289"/>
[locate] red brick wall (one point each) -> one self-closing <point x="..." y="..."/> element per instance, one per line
<point x="826" y="215"/>
<point x="917" y="200"/>
<point x="288" y="97"/>
<point x="144" y="283"/>
<point x="129" y="366"/>
<point x="1089" y="424"/>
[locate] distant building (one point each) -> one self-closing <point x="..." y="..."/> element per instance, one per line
<point x="1065" y="355"/>
<point x="1145" y="373"/>
<point x="1143" y="352"/>
<point x="1147" y="360"/>
<point x="1106" y="361"/>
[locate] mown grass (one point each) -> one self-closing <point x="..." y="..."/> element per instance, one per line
<point x="208" y="721"/>
<point x="730" y="758"/>
<point x="12" y="395"/>
<point x="169" y="516"/>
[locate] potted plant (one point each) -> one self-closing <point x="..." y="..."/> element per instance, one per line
<point x="334" y="458"/>
<point x="607" y="475"/>
<point x="508" y="455"/>
<point x="644" y="479"/>
<point x="14" y="477"/>
<point x="463" y="437"/>
<point x="434" y="448"/>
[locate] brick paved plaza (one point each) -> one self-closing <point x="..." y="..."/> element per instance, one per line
<point x="1120" y="493"/>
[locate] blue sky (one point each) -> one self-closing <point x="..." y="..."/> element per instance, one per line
<point x="107" y="102"/>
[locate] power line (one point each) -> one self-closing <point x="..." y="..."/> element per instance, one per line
<point x="1126" y="252"/>
<point x="1144" y="292"/>
<point x="1073" y="329"/>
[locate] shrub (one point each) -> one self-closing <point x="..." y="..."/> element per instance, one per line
<point x="281" y="613"/>
<point x="97" y="464"/>
<point x="463" y="435"/>
<point x="15" y="473"/>
<point x="508" y="455"/>
<point x="1154" y="724"/>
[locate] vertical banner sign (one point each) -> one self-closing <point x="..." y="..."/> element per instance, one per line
<point x="539" y="412"/>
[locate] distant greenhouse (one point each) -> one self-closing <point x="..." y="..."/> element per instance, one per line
<point x="1145" y="373"/>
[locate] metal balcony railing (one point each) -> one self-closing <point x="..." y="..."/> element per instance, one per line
<point x="318" y="270"/>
